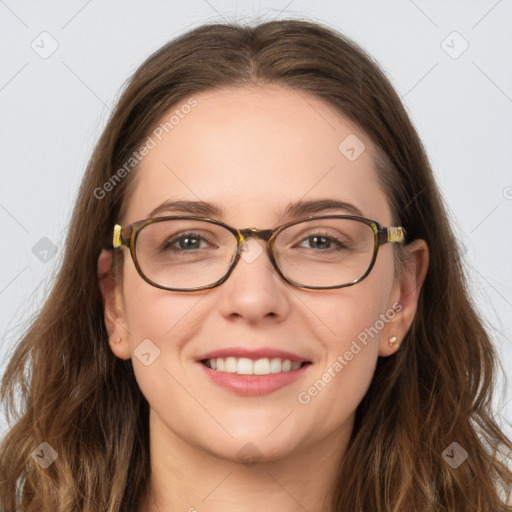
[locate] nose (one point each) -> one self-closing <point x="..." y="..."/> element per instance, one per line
<point x="254" y="290"/>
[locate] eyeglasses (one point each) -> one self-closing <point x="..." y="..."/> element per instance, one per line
<point x="188" y="253"/>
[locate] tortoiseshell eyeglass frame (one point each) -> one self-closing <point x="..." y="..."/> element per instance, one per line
<point x="127" y="236"/>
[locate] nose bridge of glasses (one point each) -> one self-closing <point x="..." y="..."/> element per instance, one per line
<point x="262" y="234"/>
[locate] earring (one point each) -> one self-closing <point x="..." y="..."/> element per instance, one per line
<point x="118" y="340"/>
<point x="393" y="342"/>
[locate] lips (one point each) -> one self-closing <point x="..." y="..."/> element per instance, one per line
<point x="257" y="372"/>
<point x="254" y="385"/>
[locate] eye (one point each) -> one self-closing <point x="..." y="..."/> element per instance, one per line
<point x="186" y="242"/>
<point x="324" y="241"/>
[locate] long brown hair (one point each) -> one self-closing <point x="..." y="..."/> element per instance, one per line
<point x="85" y="402"/>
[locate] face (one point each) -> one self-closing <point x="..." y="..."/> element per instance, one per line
<point x="253" y="151"/>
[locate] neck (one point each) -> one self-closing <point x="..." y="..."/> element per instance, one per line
<point x="187" y="478"/>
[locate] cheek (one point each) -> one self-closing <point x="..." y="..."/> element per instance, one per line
<point x="151" y="312"/>
<point x="353" y="348"/>
<point x="153" y="343"/>
<point x="159" y="324"/>
<point x="350" y="321"/>
<point x="352" y="314"/>
<point x="350" y="340"/>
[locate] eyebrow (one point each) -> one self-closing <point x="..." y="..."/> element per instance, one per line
<point x="296" y="209"/>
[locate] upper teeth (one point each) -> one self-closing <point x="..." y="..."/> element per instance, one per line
<point x="246" y="366"/>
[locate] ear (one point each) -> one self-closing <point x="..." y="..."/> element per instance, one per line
<point x="113" y="306"/>
<point x="404" y="296"/>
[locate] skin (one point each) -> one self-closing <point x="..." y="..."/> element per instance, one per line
<point x="254" y="150"/>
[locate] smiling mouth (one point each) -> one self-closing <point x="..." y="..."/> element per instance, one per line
<point x="246" y="366"/>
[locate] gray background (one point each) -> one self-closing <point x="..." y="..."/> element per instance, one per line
<point x="53" y="108"/>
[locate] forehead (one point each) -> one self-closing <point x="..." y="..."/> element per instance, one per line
<point x="253" y="151"/>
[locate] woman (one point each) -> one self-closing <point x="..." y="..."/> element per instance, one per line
<point x="329" y="358"/>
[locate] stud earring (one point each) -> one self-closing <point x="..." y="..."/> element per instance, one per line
<point x="393" y="342"/>
<point x="118" y="340"/>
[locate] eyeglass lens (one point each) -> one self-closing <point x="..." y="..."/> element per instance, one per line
<point x="182" y="253"/>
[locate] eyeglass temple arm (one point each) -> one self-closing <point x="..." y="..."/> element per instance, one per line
<point x="392" y="234"/>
